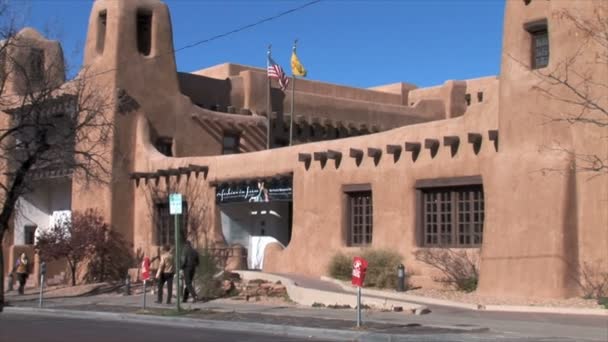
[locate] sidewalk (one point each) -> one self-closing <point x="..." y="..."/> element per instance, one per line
<point x="296" y="320"/>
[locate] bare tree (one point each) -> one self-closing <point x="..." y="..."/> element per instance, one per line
<point x="580" y="83"/>
<point x="460" y="268"/>
<point x="47" y="125"/>
<point x="196" y="213"/>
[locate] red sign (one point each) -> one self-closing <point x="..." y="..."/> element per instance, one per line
<point x="145" y="269"/>
<point x="359" y="269"/>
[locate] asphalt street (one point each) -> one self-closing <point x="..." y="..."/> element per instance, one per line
<point x="25" y="328"/>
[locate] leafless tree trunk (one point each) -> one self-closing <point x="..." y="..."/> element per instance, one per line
<point x="197" y="209"/>
<point x="46" y="124"/>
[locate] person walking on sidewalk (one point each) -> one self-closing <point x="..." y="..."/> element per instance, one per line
<point x="189" y="264"/>
<point x="166" y="270"/>
<point x="22" y="270"/>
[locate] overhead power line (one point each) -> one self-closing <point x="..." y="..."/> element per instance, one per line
<point x="243" y="28"/>
<point x="222" y="35"/>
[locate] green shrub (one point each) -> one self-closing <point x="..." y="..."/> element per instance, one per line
<point x="603" y="301"/>
<point x="340" y="266"/>
<point x="381" y="268"/>
<point x="206" y="285"/>
<point x="467" y="284"/>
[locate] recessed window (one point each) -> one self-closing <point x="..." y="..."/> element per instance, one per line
<point x="164" y="145"/>
<point x="539" y="43"/>
<point x="230" y="143"/>
<point x="479" y="96"/>
<point x="101" y="31"/>
<point x="37" y="64"/>
<point x="144" y="32"/>
<point x="467" y="99"/>
<point x="29" y="234"/>
<point x="360" y="217"/>
<point x="165" y="223"/>
<point x="452" y="216"/>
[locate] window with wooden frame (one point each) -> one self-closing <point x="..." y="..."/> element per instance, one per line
<point x="450" y="212"/>
<point x="165" y="223"/>
<point x="540" y="43"/>
<point x="230" y="143"/>
<point x="360" y="214"/>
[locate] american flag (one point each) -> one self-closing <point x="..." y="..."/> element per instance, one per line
<point x="275" y="71"/>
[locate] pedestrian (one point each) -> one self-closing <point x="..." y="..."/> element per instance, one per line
<point x="22" y="270"/>
<point x="189" y="264"/>
<point x="166" y="270"/>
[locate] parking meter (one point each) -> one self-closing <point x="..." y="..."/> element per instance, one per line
<point x="400" y="278"/>
<point x="43" y="269"/>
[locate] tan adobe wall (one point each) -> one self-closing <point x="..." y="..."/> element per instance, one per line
<point x="546" y="219"/>
<point x="20" y="50"/>
<point x="317" y="228"/>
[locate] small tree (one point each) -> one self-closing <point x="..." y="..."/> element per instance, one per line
<point x="110" y="256"/>
<point x="86" y="237"/>
<point x="69" y="239"/>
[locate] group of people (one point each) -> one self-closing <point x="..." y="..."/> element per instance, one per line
<point x="166" y="272"/>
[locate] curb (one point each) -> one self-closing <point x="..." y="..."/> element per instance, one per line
<point x="309" y="296"/>
<point x="419" y="299"/>
<point x="476" y="307"/>
<point x="269" y="329"/>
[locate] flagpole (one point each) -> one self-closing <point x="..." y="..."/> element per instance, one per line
<point x="293" y="91"/>
<point x="268" y="102"/>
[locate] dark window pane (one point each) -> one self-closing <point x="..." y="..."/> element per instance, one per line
<point x="540" y="48"/>
<point x="29" y="233"/>
<point x="164" y="145"/>
<point x="230" y="144"/>
<point x="457" y="220"/>
<point x="144" y="32"/>
<point x="361" y="217"/>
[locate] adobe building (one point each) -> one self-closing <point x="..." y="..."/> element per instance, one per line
<point x="469" y="164"/>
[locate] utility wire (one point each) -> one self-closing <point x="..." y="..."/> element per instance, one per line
<point x="222" y="35"/>
<point x="243" y="28"/>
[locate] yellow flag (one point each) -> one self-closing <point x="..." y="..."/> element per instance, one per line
<point x="297" y="68"/>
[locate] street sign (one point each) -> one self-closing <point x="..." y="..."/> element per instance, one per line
<point x="175" y="204"/>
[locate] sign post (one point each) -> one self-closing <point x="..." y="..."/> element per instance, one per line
<point x="42" y="274"/>
<point x="145" y="275"/>
<point x="358" y="276"/>
<point x="175" y="209"/>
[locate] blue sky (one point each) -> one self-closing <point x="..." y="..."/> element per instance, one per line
<point x="357" y="43"/>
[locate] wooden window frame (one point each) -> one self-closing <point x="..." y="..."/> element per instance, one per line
<point x="457" y="216"/>
<point x="538" y="29"/>
<point x="358" y="214"/>
<point x="161" y="211"/>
